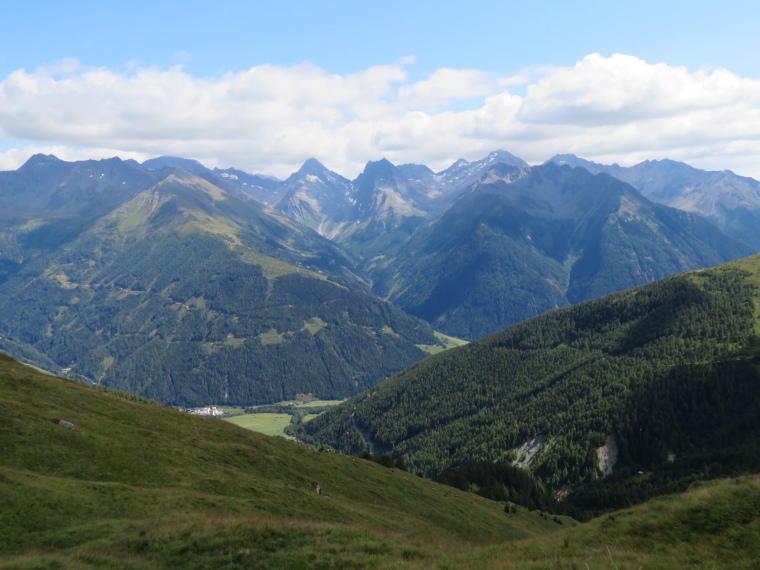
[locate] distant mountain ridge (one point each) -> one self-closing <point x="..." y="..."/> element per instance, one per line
<point x="729" y="201"/>
<point x="383" y="206"/>
<point x="470" y="249"/>
<point x="524" y="241"/>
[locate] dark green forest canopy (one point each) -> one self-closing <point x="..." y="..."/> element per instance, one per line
<point x="667" y="367"/>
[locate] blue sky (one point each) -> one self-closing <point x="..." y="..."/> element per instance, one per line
<point x="243" y="83"/>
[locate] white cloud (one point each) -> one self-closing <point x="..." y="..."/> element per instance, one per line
<point x="270" y="119"/>
<point x="444" y="85"/>
<point x="621" y="89"/>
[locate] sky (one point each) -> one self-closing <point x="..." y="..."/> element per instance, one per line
<point x="263" y="86"/>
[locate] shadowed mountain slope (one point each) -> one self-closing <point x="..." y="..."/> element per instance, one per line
<point x="524" y="241"/>
<point x="729" y="201"/>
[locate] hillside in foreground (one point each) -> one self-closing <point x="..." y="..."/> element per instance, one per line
<point x="137" y="485"/>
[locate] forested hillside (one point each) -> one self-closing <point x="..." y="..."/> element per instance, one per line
<point x="191" y="295"/>
<point x="668" y="369"/>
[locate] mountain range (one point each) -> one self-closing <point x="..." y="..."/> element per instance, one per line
<point x="729" y="201"/>
<point x="520" y="242"/>
<point x="467" y="250"/>
<point x="174" y="280"/>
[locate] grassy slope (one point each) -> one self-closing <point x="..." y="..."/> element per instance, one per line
<point x="136" y="485"/>
<point x="713" y="525"/>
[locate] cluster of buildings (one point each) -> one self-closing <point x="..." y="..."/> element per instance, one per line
<point x="206" y="411"/>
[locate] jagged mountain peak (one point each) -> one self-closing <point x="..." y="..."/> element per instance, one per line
<point x="496" y="156"/>
<point x="188" y="164"/>
<point x="312" y="166"/>
<point x="506" y="157"/>
<point x="309" y="170"/>
<point x="39" y="159"/>
<point x="382" y="167"/>
<point x="573" y="160"/>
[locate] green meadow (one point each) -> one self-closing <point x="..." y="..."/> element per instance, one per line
<point x="274" y="423"/>
<point x="445" y="342"/>
<point x="269" y="424"/>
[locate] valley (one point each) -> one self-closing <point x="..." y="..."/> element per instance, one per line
<point x="494" y="365"/>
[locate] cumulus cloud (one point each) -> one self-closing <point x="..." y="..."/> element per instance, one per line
<point x="270" y="119"/>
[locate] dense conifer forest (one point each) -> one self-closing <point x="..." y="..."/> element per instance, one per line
<point x="668" y="369"/>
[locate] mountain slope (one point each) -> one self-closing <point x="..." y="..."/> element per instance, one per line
<point x="729" y="201"/>
<point x="668" y="369"/>
<point x="193" y="295"/>
<point x="524" y="241"/>
<point x="134" y="485"/>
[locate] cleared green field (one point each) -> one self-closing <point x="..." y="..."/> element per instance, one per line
<point x="318" y="403"/>
<point x="268" y="424"/>
<point x="448" y="342"/>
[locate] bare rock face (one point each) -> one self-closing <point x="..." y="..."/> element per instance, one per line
<point x="607" y="455"/>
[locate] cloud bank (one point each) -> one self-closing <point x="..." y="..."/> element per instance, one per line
<point x="270" y="119"/>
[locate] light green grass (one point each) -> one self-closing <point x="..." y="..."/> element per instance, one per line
<point x="269" y="424"/>
<point x="38" y="369"/>
<point x="447" y="341"/>
<point x="318" y="403"/>
<point x="752" y="265"/>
